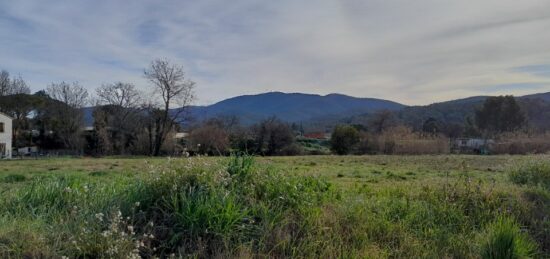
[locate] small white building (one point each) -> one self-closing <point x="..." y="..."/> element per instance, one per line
<point x="6" y="135"/>
<point x="471" y="145"/>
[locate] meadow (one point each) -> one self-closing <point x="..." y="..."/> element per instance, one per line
<point x="447" y="206"/>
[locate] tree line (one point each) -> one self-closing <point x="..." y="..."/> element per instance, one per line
<point x="126" y="120"/>
<point x="496" y="116"/>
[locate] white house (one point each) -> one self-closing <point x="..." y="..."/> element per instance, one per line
<point x="5" y="135"/>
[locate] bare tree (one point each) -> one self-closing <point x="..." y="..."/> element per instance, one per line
<point x="73" y="97"/>
<point x="5" y="83"/>
<point x="73" y="94"/>
<point x="12" y="86"/>
<point x="175" y="91"/>
<point x="118" y="108"/>
<point x="121" y="94"/>
<point x="209" y="138"/>
<point x="19" y="86"/>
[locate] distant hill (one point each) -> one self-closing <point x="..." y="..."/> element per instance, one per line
<point x="542" y="96"/>
<point x="292" y="107"/>
<point x="536" y="106"/>
<point x="454" y="111"/>
<point x="324" y="111"/>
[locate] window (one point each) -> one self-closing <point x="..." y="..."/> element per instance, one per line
<point x="1" y="127"/>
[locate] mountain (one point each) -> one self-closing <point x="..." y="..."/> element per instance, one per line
<point x="324" y="111"/>
<point x="292" y="107"/>
<point x="542" y="96"/>
<point x="454" y="111"/>
<point x="535" y="106"/>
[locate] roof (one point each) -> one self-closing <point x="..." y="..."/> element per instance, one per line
<point x="1" y="113"/>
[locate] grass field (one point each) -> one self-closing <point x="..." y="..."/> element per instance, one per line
<point x="307" y="207"/>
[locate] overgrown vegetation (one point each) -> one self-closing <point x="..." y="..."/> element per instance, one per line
<point x="351" y="207"/>
<point x="532" y="173"/>
<point x="503" y="239"/>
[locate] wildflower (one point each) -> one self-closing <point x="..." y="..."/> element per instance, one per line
<point x="99" y="216"/>
<point x="137" y="204"/>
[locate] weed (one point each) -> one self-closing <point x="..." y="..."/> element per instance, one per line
<point x="504" y="239"/>
<point x="532" y="173"/>
<point x="14" y="178"/>
<point x="98" y="173"/>
<point x="233" y="207"/>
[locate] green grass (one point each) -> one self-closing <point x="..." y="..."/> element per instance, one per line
<point x="305" y="207"/>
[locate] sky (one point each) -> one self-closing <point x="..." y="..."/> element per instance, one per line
<point x="413" y="52"/>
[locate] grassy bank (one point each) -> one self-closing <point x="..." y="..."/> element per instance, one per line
<point x="313" y="207"/>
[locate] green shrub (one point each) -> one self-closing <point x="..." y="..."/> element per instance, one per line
<point x="503" y="239"/>
<point x="532" y="173"/>
<point x="240" y="166"/>
<point x="13" y="178"/>
<point x="98" y="173"/>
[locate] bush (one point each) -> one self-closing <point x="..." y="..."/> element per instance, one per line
<point x="521" y="143"/>
<point x="503" y="239"/>
<point x="344" y="139"/>
<point x="401" y="140"/>
<point x="12" y="178"/>
<point x="532" y="173"/>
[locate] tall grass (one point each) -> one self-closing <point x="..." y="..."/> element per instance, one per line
<point x="534" y="173"/>
<point x="503" y="239"/>
<point x="236" y="208"/>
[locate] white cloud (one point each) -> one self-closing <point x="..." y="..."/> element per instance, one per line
<point x="414" y="52"/>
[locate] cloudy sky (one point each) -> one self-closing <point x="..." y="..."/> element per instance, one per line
<point x="414" y="52"/>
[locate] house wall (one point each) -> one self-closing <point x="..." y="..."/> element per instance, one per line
<point x="6" y="136"/>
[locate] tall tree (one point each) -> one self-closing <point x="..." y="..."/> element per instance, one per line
<point x="500" y="114"/>
<point x="19" y="86"/>
<point x="175" y="91"/>
<point x="101" y="137"/>
<point x="381" y="120"/>
<point x="431" y="126"/>
<point x="120" y="94"/>
<point x="73" y="94"/>
<point x="273" y="137"/>
<point x="5" y="83"/>
<point x="66" y="116"/>
<point x="117" y="107"/>
<point x="12" y="86"/>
